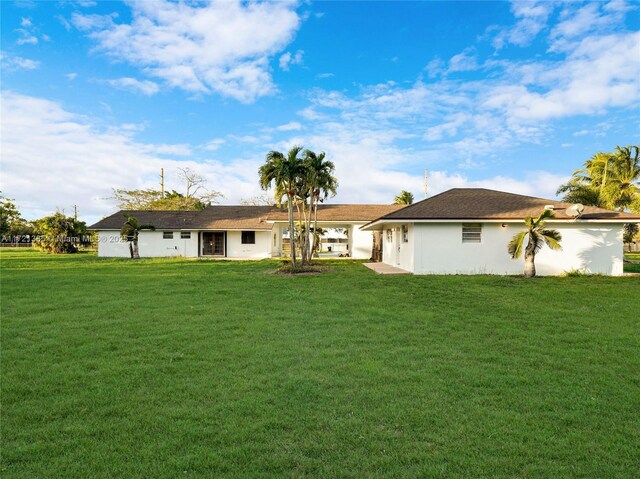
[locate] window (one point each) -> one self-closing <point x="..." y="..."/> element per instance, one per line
<point x="167" y="235"/>
<point x="471" y="232"/>
<point x="405" y="234"/>
<point x="390" y="236"/>
<point x="248" y="237"/>
<point x="185" y="235"/>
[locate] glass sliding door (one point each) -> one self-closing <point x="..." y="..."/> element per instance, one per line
<point x="213" y="243"/>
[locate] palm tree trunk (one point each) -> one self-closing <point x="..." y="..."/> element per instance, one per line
<point x="315" y="221"/>
<point x="135" y="253"/>
<point x="529" y="260"/>
<point x="292" y="242"/>
<point x="131" y="249"/>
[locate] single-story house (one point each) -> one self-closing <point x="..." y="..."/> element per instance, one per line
<point x="232" y="231"/>
<point x="467" y="230"/>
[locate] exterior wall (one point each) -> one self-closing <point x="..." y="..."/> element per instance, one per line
<point x="360" y="242"/>
<point x="111" y="245"/>
<point x="396" y="252"/>
<point x="276" y="241"/>
<point x="261" y="248"/>
<point x="150" y="244"/>
<point x="438" y="249"/>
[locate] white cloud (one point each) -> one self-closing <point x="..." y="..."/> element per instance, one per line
<point x="71" y="76"/>
<point x="12" y="63"/>
<point x="462" y="62"/>
<point x="169" y="150"/>
<point x="601" y="72"/>
<point x="287" y="59"/>
<point x="26" y="38"/>
<point x="321" y="76"/>
<point x="28" y="33"/>
<point x="531" y="18"/>
<point x="214" y="144"/>
<point x="292" y="125"/>
<point x="62" y="174"/>
<point x="221" y="47"/>
<point x="146" y="87"/>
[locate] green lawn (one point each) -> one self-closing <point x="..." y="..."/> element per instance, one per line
<point x="634" y="267"/>
<point x="170" y="368"/>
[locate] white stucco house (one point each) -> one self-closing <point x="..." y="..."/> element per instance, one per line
<point x="467" y="230"/>
<point x="251" y="232"/>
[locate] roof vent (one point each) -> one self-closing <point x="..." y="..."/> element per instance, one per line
<point x="549" y="207"/>
<point x="575" y="211"/>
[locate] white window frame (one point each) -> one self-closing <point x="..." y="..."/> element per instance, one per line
<point x="165" y="235"/>
<point x="472" y="233"/>
<point x="185" y="235"/>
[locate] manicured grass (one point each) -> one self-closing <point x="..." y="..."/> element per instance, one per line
<point x="633" y="267"/>
<point x="167" y="368"/>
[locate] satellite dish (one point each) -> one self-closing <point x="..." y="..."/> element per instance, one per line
<point x="575" y="211"/>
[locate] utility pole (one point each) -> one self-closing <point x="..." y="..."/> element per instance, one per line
<point x="426" y="182"/>
<point x="161" y="182"/>
<point x="75" y="212"/>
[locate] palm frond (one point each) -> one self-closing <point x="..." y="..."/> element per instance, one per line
<point x="552" y="238"/>
<point x="516" y="244"/>
<point x="545" y="215"/>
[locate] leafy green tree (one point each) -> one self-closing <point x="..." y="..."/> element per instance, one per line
<point x="130" y="231"/>
<point x="284" y="173"/>
<point x="59" y="234"/>
<point x="538" y="235"/>
<point x="11" y="222"/>
<point x="404" y="198"/>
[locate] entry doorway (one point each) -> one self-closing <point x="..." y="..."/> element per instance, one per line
<point x="213" y="243"/>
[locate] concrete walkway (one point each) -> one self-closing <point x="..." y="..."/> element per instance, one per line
<point x="382" y="268"/>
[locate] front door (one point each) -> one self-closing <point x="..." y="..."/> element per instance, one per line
<point x="213" y="243"/>
<point x="397" y="245"/>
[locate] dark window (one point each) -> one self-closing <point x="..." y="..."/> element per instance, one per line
<point x="248" y="237"/>
<point x="185" y="235"/>
<point x="167" y="235"/>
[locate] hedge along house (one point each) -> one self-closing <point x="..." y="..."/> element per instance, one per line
<point x="249" y="232"/>
<point x="467" y="230"/>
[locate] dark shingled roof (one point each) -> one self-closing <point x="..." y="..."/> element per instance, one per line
<point x="238" y="217"/>
<point x="483" y="204"/>
<point x="159" y="219"/>
<point x="342" y="212"/>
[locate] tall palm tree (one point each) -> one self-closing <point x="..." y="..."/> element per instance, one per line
<point x="130" y="231"/>
<point x="404" y="198"/>
<point x="608" y="180"/>
<point x="284" y="172"/>
<point x="322" y="184"/>
<point x="623" y="185"/>
<point x="538" y="236"/>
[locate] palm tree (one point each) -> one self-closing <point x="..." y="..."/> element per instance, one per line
<point x="284" y="172"/>
<point x="608" y="180"/>
<point x="404" y="198"/>
<point x="623" y="187"/>
<point x="130" y="231"/>
<point x="538" y="236"/>
<point x="321" y="183"/>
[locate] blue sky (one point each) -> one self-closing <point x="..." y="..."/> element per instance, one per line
<point x="512" y="96"/>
